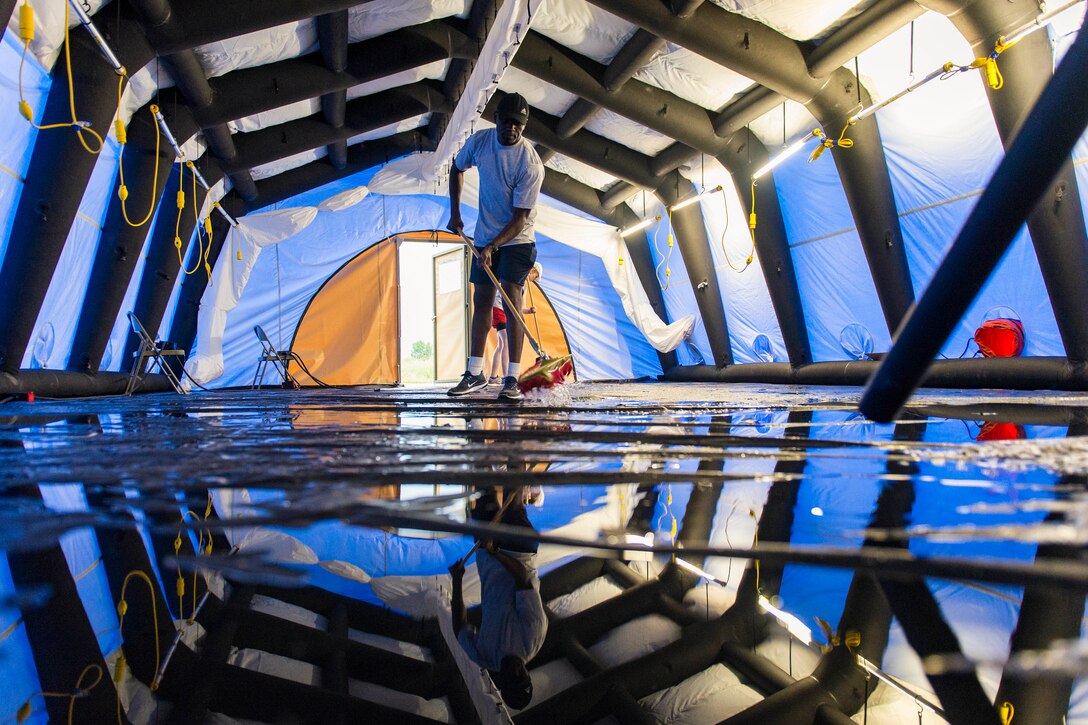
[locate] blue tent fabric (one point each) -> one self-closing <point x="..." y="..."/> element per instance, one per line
<point x="20" y="679"/>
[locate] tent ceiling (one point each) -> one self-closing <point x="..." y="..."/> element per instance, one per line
<point x="264" y="84"/>
<point x="625" y="93"/>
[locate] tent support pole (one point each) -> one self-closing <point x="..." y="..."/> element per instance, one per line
<point x="162" y="267"/>
<point x="332" y="34"/>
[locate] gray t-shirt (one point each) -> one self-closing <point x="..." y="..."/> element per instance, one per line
<point x="514" y="622"/>
<point x="510" y="177"/>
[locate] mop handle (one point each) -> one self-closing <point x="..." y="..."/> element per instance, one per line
<point x="513" y="308"/>
<point x="502" y="510"/>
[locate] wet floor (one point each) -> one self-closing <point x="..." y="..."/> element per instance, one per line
<point x="980" y="485"/>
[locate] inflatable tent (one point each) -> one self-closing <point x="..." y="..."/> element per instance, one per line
<point x="734" y="192"/>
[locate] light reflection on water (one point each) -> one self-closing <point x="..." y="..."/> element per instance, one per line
<point x="382" y="481"/>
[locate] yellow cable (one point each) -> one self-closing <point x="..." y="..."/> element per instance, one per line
<point x="122" y="190"/>
<point x="25" y="709"/>
<point x="752" y="215"/>
<point x="122" y="609"/>
<point x="725" y="228"/>
<point x="80" y="127"/>
<point x="668" y="256"/>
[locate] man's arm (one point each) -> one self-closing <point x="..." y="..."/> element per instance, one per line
<point x="457" y="182"/>
<point x="457" y="571"/>
<point x="515" y="568"/>
<point x="511" y="230"/>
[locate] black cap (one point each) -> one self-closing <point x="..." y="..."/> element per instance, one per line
<point x="513" y="106"/>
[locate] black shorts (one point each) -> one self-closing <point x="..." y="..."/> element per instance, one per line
<point x="510" y="263"/>
<point x="487" y="506"/>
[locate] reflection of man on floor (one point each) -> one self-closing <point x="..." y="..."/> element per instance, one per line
<point x="513" y="624"/>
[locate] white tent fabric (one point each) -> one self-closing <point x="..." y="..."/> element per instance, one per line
<point x="253" y="233"/>
<point x="407" y="176"/>
<point x="512" y="19"/>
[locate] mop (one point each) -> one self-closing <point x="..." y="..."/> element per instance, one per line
<point x="548" y="371"/>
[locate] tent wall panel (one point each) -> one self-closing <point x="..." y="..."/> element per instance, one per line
<point x="544" y="326"/>
<point x="747" y="300"/>
<point x="605" y="344"/>
<point x="349" y="334"/>
<point x="47" y="210"/>
<point x="71" y="273"/>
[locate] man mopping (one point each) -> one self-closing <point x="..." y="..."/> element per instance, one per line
<point x="511" y="175"/>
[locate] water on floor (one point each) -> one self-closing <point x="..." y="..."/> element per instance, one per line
<point x="982" y="493"/>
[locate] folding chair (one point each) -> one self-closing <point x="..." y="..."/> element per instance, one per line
<point x="155" y="351"/>
<point x="279" y="359"/>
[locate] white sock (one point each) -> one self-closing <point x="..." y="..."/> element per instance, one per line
<point x="476" y="365"/>
<point x="513" y="370"/>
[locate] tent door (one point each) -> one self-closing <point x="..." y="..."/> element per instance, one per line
<point x="450" y="315"/>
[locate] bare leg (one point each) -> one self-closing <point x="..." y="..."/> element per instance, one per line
<point x="483" y="298"/>
<point x="505" y="353"/>
<point x="515" y="331"/>
<point x="498" y="359"/>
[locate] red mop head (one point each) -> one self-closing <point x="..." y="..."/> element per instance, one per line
<point x="546" y="374"/>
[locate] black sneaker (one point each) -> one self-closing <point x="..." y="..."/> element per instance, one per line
<point x="469" y="384"/>
<point x="509" y="389"/>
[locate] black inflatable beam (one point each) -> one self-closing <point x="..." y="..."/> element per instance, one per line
<point x="690" y="233"/>
<point x="186" y="25"/>
<point x="744" y="155"/>
<point x="871" y="25"/>
<point x="48" y="203"/>
<point x="332" y="36"/>
<point x="1056" y="223"/>
<point x="361" y="115"/>
<point x="1030" y="373"/>
<point x="652" y="107"/>
<point x="928" y="633"/>
<point x="635" y="53"/>
<point x="1036" y="155"/>
<point x="123" y="551"/>
<point x="866" y="181"/>
<point x="120" y="243"/>
<point x="249" y="91"/>
<point x="66" y="384"/>
<point x="587" y="199"/>
<point x="1047" y="615"/>
<point x="480" y="17"/>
